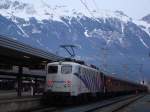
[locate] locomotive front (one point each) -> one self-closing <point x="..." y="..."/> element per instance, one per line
<point x="59" y="79"/>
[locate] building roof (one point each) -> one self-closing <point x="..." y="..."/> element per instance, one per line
<point x="12" y="51"/>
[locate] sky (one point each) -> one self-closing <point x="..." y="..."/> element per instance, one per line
<point x="135" y="9"/>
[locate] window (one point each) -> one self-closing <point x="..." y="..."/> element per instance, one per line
<point x="66" y="69"/>
<point x="52" y="69"/>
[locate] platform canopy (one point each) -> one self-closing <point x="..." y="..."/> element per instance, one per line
<point x="17" y="53"/>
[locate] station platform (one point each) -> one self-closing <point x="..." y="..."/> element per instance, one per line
<point x="142" y="105"/>
<point x="18" y="104"/>
<point x="8" y="94"/>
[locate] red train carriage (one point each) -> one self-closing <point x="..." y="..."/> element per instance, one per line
<point x="115" y="86"/>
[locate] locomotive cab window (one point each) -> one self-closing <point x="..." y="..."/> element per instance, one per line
<point x="52" y="69"/>
<point x="66" y="69"/>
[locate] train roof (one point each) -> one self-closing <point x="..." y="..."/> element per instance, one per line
<point x="80" y="62"/>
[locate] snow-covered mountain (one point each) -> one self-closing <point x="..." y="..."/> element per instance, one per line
<point x="144" y="23"/>
<point x="146" y="18"/>
<point x="43" y="10"/>
<point x="111" y="40"/>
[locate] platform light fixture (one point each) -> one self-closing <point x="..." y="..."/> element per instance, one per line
<point x="27" y="57"/>
<point x="44" y="61"/>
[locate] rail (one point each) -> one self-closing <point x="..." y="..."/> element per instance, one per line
<point x="122" y="100"/>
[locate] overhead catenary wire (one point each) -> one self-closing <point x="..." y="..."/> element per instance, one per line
<point x="86" y="6"/>
<point x="84" y="3"/>
<point x="95" y="4"/>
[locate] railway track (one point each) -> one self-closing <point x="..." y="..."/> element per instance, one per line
<point x="44" y="109"/>
<point x="110" y="105"/>
<point x="125" y="104"/>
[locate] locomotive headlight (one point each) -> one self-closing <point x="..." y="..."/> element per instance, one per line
<point x="50" y="83"/>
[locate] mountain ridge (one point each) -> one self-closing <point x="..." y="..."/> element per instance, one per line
<point x="111" y="40"/>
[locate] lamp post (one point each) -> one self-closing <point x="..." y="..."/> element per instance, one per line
<point x="140" y="70"/>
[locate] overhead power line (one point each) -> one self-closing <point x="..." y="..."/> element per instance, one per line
<point x="84" y="3"/>
<point x="86" y="6"/>
<point x="95" y="4"/>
